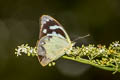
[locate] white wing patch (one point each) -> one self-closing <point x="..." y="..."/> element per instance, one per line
<point x="44" y="30"/>
<point x="55" y="34"/>
<point x="54" y="27"/>
<point x="45" y="19"/>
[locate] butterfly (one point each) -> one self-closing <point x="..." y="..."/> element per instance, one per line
<point x="53" y="41"/>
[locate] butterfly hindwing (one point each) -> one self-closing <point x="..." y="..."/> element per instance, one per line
<point x="53" y="40"/>
<point x="52" y="49"/>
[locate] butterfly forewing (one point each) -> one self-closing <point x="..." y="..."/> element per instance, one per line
<point x="49" y="26"/>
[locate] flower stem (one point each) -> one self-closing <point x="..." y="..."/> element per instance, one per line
<point x="81" y="60"/>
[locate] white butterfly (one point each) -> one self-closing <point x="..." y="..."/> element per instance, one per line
<point x="53" y="40"/>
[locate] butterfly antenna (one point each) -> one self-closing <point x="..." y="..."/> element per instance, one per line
<point x="81" y="37"/>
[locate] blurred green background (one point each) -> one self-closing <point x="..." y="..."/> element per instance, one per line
<point x="19" y="24"/>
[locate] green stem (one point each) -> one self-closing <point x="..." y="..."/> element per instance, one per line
<point x="93" y="64"/>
